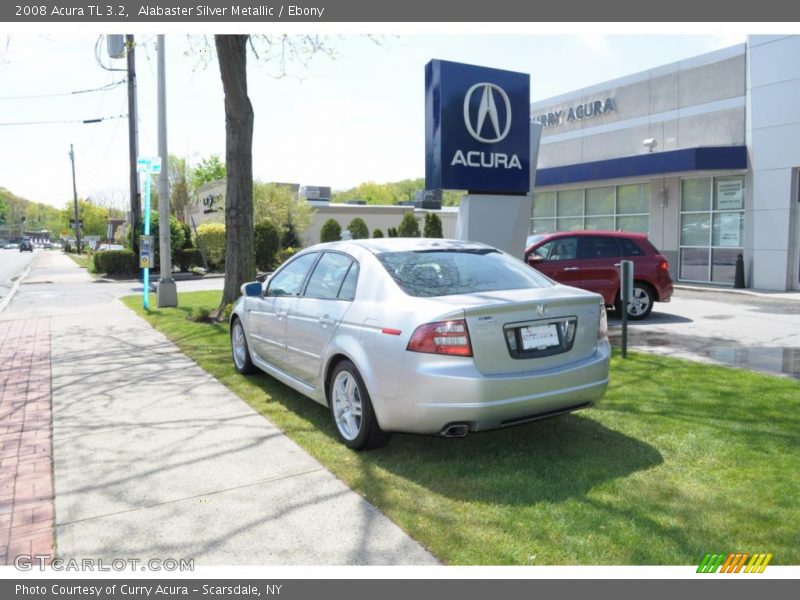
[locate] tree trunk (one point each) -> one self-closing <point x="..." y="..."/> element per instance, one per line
<point x="239" y="251"/>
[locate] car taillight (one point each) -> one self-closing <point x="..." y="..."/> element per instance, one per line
<point x="442" y="337"/>
<point x="602" y="330"/>
<point x="664" y="265"/>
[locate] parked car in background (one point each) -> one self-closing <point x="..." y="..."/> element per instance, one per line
<point x="25" y="246"/>
<point x="590" y="260"/>
<point x="424" y="336"/>
<point x="106" y="247"/>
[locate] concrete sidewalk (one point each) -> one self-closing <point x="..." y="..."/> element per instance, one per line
<point x="153" y="458"/>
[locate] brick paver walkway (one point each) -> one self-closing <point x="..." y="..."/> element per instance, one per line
<point x="26" y="481"/>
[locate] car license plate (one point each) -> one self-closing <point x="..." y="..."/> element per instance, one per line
<point x="539" y="336"/>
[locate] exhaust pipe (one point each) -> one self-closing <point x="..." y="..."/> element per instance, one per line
<point x="455" y="430"/>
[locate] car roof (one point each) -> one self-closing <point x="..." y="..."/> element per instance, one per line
<point x="598" y="232"/>
<point x="381" y="245"/>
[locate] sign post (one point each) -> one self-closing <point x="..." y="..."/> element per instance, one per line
<point x="625" y="297"/>
<point x="148" y="166"/>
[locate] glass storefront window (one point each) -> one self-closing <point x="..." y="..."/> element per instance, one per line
<point x="600" y="201"/>
<point x="728" y="229"/>
<point x="624" y="207"/>
<point x="635" y="224"/>
<point x="712" y="223"/>
<point x="633" y="199"/>
<point x="694" y="264"/>
<point x="723" y="265"/>
<point x="543" y="225"/>
<point x="570" y="203"/>
<point x="544" y="205"/>
<point x="604" y="223"/>
<point x="695" y="195"/>
<point x="695" y="229"/>
<point x="569" y="224"/>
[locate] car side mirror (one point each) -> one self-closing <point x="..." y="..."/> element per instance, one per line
<point x="252" y="289"/>
<point x="533" y="259"/>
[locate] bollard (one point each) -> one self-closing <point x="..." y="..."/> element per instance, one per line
<point x="738" y="278"/>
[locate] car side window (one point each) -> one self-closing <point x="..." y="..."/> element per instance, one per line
<point x="328" y="276"/>
<point x="630" y="248"/>
<point x="595" y="246"/>
<point x="289" y="280"/>
<point x="559" y="249"/>
<point x="348" y="291"/>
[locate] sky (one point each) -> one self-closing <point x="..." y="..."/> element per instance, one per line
<point x="332" y="121"/>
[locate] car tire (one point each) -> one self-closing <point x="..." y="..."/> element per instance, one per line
<point x="240" y="352"/>
<point x="351" y="409"/>
<point x="642" y="305"/>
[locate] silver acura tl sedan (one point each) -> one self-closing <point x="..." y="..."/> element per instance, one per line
<point x="424" y="336"/>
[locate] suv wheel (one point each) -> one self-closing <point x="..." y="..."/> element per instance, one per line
<point x="641" y="304"/>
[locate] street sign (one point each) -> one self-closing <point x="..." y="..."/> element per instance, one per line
<point x="148" y="164"/>
<point x="72" y="223"/>
<point x="145" y="251"/>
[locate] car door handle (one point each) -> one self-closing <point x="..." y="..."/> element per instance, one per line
<point x="617" y="264"/>
<point x="281" y="314"/>
<point x="572" y="268"/>
<point x="326" y="320"/>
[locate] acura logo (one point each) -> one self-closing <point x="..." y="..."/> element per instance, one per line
<point x="541" y="309"/>
<point x="487" y="108"/>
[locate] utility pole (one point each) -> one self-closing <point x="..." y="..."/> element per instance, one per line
<point x="75" y="201"/>
<point x="166" y="293"/>
<point x="133" y="150"/>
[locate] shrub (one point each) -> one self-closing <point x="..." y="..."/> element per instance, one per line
<point x="267" y="239"/>
<point x="176" y="236"/>
<point x="115" y="262"/>
<point x="187" y="236"/>
<point x="211" y="241"/>
<point x="392" y="231"/>
<point x="409" y="227"/>
<point x="200" y="314"/>
<point x="285" y="254"/>
<point x="358" y="229"/>
<point x="377" y="233"/>
<point x="331" y="231"/>
<point x="433" y="226"/>
<point x="188" y="258"/>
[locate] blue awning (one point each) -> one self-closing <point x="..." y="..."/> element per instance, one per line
<point x="708" y="158"/>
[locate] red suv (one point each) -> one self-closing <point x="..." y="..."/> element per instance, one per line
<point x="590" y="260"/>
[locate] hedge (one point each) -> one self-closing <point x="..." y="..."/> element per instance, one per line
<point x="187" y="258"/>
<point x="115" y="262"/>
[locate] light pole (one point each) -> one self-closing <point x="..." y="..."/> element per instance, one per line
<point x="166" y="293"/>
<point x="75" y="201"/>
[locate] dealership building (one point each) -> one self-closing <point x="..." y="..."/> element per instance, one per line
<point x="702" y="155"/>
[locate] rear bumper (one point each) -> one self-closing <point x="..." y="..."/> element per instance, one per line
<point x="439" y="392"/>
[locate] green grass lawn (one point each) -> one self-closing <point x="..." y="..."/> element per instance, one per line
<point x="85" y="261"/>
<point x="677" y="460"/>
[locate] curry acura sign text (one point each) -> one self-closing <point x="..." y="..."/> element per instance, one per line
<point x="477" y="129"/>
<point x="585" y="110"/>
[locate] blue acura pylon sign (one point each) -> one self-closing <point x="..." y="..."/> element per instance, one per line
<point x="477" y="129"/>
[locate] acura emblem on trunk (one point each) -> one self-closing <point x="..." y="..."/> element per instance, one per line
<point x="541" y="309"/>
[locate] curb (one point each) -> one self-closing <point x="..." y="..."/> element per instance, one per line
<point x="774" y="295"/>
<point x="7" y="300"/>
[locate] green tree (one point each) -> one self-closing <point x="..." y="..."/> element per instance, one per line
<point x="179" y="192"/>
<point x="331" y="231"/>
<point x="377" y="233"/>
<point x="433" y="226"/>
<point x="176" y="234"/>
<point x="239" y="117"/>
<point x="277" y="203"/>
<point x="409" y="226"/>
<point x="95" y="218"/>
<point x="267" y="244"/>
<point x="208" y="170"/>
<point x="391" y="232"/>
<point x="211" y="242"/>
<point x="4" y="210"/>
<point x="358" y="229"/>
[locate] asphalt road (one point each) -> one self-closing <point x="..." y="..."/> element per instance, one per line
<point x="761" y="333"/>
<point x="12" y="264"/>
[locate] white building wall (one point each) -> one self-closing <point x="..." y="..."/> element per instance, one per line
<point x="773" y="140"/>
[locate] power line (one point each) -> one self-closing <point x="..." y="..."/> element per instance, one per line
<point x="104" y="88"/>
<point x="85" y="121"/>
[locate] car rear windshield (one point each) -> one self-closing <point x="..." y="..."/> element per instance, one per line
<point x="431" y="273"/>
